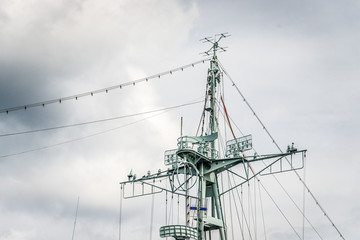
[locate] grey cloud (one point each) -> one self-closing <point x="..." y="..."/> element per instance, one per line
<point x="296" y="61"/>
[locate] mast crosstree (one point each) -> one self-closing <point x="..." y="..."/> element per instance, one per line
<point x="197" y="162"/>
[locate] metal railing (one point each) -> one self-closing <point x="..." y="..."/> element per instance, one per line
<point x="179" y="232"/>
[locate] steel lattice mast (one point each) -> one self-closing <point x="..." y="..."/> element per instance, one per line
<point x="198" y="160"/>
<point x="210" y="179"/>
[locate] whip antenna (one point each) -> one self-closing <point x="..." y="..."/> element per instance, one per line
<point x="77" y="207"/>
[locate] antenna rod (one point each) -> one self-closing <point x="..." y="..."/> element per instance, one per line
<point x="181" y="128"/>
<point x="77" y="207"/>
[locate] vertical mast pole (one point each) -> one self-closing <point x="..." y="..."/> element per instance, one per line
<point x="213" y="71"/>
<point x="212" y="124"/>
<point x="215" y="78"/>
<point x="208" y="180"/>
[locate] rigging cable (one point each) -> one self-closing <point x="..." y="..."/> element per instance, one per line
<point x="231" y="217"/>
<point x="77" y="208"/>
<point x="262" y="211"/>
<point x="277" y="206"/>
<point x="171" y="210"/>
<point x="249" y="204"/>
<point x="178" y="205"/>
<point x="99" y="120"/>
<point x="280" y="184"/>
<point x="80" y="138"/>
<point x="258" y="178"/>
<point x="303" y="231"/>
<point x="283" y="190"/>
<point x="106" y="90"/>
<point x="120" y="211"/>
<point x="255" y="219"/>
<point x="232" y="132"/>
<point x="251" y="209"/>
<point x="221" y="174"/>
<point x="271" y="137"/>
<point x="223" y="198"/>
<point x="152" y="215"/>
<point x="242" y="202"/>
<point x="202" y="118"/>
<point x="95" y="134"/>
<point x="166" y="203"/>
<point x="242" y="208"/>
<point x="255" y="176"/>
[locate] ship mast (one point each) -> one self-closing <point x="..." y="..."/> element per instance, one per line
<point x="198" y="160"/>
<point x="208" y="182"/>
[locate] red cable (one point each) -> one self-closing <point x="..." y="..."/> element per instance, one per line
<point x="232" y="132"/>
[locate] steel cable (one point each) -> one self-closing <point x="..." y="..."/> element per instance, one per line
<point x="106" y="90"/>
<point x="275" y="143"/>
<point x="282" y="187"/>
<point x="78" y="139"/>
<point x="98" y="121"/>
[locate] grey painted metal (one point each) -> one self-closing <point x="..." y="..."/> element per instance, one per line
<point x="202" y="204"/>
<point x="179" y="232"/>
<point x="197" y="158"/>
<point x="219" y="211"/>
<point x="235" y="147"/>
<point x="187" y="199"/>
<point x="213" y="80"/>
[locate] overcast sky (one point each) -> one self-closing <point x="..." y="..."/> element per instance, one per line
<point x="297" y="63"/>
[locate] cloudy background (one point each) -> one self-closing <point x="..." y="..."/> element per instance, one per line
<point x="295" y="61"/>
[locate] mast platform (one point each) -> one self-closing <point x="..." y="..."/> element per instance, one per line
<point x="179" y="232"/>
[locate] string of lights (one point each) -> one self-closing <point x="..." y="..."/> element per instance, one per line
<point x="103" y="90"/>
<point x="99" y="120"/>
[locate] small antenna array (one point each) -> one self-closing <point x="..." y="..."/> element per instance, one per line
<point x="215" y="44"/>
